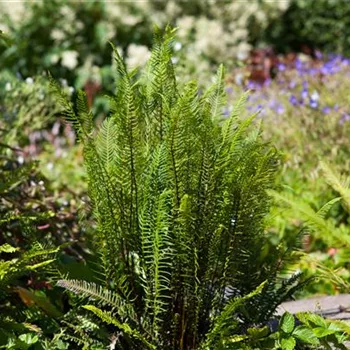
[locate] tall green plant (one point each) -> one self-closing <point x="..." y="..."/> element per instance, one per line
<point x="179" y="198"/>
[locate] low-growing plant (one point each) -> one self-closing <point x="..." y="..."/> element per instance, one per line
<point x="304" y="330"/>
<point x="33" y="227"/>
<point x="179" y="198"/>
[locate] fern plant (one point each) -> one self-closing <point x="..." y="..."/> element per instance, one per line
<point x="178" y="194"/>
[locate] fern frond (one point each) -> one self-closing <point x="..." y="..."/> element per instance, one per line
<point x="216" y="96"/>
<point x="106" y="143"/>
<point x="68" y="108"/>
<point x="84" y="115"/>
<point x="342" y="187"/>
<point x="322" y="229"/>
<point x="109" y="319"/>
<point x="157" y="252"/>
<point x="100" y="295"/>
<point x="6" y="248"/>
<point x="225" y="323"/>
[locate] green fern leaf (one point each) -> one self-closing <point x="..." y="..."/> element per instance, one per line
<point x="109" y="319"/>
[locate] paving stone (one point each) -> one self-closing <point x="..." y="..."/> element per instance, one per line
<point x="334" y="306"/>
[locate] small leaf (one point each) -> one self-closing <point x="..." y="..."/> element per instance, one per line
<point x="306" y="335"/>
<point x="287" y="323"/>
<point x="288" y="343"/>
<point x="29" y="338"/>
<point x="307" y="317"/>
<point x="237" y="338"/>
<point x="6" y="248"/>
<point x="257" y="333"/>
<point x="323" y="332"/>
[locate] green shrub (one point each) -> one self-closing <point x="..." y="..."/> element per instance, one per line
<point x="317" y="24"/>
<point x="179" y="200"/>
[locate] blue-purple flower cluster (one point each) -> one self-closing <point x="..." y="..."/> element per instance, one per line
<point x="303" y="83"/>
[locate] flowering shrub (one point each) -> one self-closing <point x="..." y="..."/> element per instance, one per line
<point x="71" y="38"/>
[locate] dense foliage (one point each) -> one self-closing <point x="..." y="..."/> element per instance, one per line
<point x="179" y="198"/>
<point x="312" y="24"/>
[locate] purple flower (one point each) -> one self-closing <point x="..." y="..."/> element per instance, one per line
<point x="313" y="104"/>
<point x="313" y="71"/>
<point x="267" y="82"/>
<point x="293" y="100"/>
<point x="330" y="67"/>
<point x="318" y="54"/>
<point x="345" y="118"/>
<point x="304" y="94"/>
<point x="226" y="112"/>
<point x="314" y="97"/>
<point x="229" y="90"/>
<point x="280" y="109"/>
<point x="272" y="103"/>
<point x="292" y="84"/>
<point x="251" y="85"/>
<point x="298" y="64"/>
<point x="281" y="67"/>
<point x="326" y="110"/>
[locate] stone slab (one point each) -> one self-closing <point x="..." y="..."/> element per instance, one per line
<point x="334" y="306"/>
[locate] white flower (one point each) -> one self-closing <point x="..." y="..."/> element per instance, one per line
<point x="8" y="86"/>
<point x="79" y="25"/>
<point x="15" y="10"/>
<point x="29" y="81"/>
<point x="242" y="51"/>
<point x="137" y="55"/>
<point x="70" y="59"/>
<point x="68" y="14"/>
<point x="172" y="9"/>
<point x="185" y="24"/>
<point x="54" y="58"/>
<point x="239" y="79"/>
<point x="57" y="34"/>
<point x="130" y="20"/>
<point x="110" y="30"/>
<point x="64" y="82"/>
<point x="177" y="46"/>
<point x="315" y="96"/>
